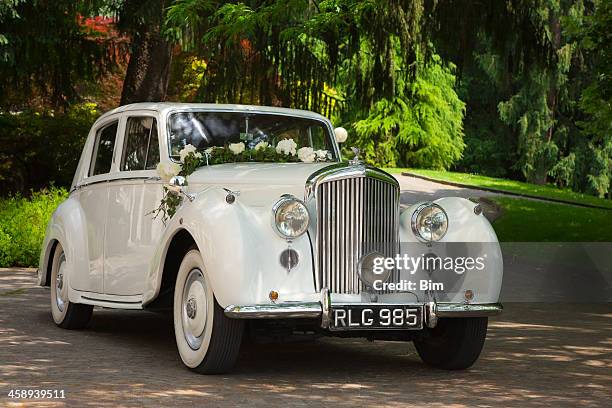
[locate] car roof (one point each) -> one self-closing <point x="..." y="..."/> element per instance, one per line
<point x="164" y="107"/>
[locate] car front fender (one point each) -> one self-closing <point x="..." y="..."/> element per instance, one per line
<point x="240" y="250"/>
<point x="469" y="234"/>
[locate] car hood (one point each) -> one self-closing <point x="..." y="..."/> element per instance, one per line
<point x="258" y="183"/>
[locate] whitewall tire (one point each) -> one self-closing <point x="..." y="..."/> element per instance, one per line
<point x="208" y="342"/>
<point x="65" y="314"/>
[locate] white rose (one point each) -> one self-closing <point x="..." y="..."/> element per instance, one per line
<point x="185" y="152"/>
<point x="236" y="148"/>
<point x="306" y="154"/>
<point x="260" y="145"/>
<point x="287" y="147"/>
<point x="322" y="155"/>
<point x="167" y="170"/>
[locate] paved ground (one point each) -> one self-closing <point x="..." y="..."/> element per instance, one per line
<point x="415" y="189"/>
<point x="536" y="355"/>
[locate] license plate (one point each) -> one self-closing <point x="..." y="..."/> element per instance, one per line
<point x="376" y="317"/>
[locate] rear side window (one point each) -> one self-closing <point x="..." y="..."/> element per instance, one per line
<point x="141" y="148"/>
<point x="103" y="150"/>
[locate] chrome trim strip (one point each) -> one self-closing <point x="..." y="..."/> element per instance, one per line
<point x="354" y="205"/>
<point x="415" y="214"/>
<point x="251" y="109"/>
<point x="345" y="170"/>
<point x="150" y="179"/>
<point x="283" y="199"/>
<point x="468" y="310"/>
<point x="275" y="311"/>
<point x="326" y="310"/>
<point x="314" y="310"/>
<point x="111" y="301"/>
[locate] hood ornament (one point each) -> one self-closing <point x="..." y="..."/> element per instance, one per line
<point x="355" y="159"/>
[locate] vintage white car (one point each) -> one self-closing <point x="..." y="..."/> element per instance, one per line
<point x="272" y="233"/>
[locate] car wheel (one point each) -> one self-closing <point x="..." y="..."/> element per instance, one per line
<point x="66" y="314"/>
<point x="454" y="344"/>
<point x="208" y="342"/>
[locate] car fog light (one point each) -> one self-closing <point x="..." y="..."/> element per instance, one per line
<point x="429" y="222"/>
<point x="371" y="269"/>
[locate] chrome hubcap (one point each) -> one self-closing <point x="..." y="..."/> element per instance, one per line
<point x="194" y="308"/>
<point x="191" y="308"/>
<point x="60" y="289"/>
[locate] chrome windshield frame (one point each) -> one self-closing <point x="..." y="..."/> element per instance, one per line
<point x="324" y="122"/>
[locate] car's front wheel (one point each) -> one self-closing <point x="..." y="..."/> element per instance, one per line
<point x="454" y="344"/>
<point x="208" y="342"/>
<point x="66" y="314"/>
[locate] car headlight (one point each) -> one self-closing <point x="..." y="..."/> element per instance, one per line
<point x="291" y="217"/>
<point x="429" y="222"/>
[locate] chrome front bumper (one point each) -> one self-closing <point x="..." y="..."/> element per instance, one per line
<point x="321" y="309"/>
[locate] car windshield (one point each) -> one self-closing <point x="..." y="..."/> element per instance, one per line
<point x="219" y="129"/>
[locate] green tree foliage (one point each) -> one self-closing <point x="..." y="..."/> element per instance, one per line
<point x="8" y="12"/>
<point x="348" y="58"/>
<point x="534" y="75"/>
<point x="420" y="127"/>
<point x="594" y="36"/>
<point x="287" y="52"/>
<point x="490" y="143"/>
<point x="37" y="149"/>
<point x="553" y="98"/>
<point x="539" y="75"/>
<point x="148" y="70"/>
<point x="46" y="49"/>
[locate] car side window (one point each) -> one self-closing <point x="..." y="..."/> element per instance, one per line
<point x="141" y="146"/>
<point x="102" y="157"/>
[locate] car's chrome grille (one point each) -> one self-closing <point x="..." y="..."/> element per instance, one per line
<point x="354" y="216"/>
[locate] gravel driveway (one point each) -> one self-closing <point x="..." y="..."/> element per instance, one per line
<point x="543" y="355"/>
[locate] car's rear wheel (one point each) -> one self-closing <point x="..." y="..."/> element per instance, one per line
<point x="65" y="314"/>
<point x="208" y="342"/>
<point x="454" y="344"/>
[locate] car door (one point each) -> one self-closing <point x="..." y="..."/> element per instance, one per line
<point x="92" y="193"/>
<point x="132" y="233"/>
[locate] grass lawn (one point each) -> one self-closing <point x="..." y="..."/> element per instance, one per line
<point x="535" y="221"/>
<point x="509" y="186"/>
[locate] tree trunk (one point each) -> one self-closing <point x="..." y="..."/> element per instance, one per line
<point x="148" y="71"/>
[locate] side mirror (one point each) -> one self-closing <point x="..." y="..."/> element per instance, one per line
<point x="176" y="184"/>
<point x="341" y="134"/>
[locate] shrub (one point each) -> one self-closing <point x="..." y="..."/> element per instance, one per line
<point x="37" y="149"/>
<point x="422" y="127"/>
<point x="22" y="225"/>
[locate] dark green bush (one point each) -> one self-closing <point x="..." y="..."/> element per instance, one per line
<point x="22" y="225"/>
<point x="39" y="149"/>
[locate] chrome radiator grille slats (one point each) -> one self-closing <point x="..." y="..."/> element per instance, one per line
<point x="354" y="216"/>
